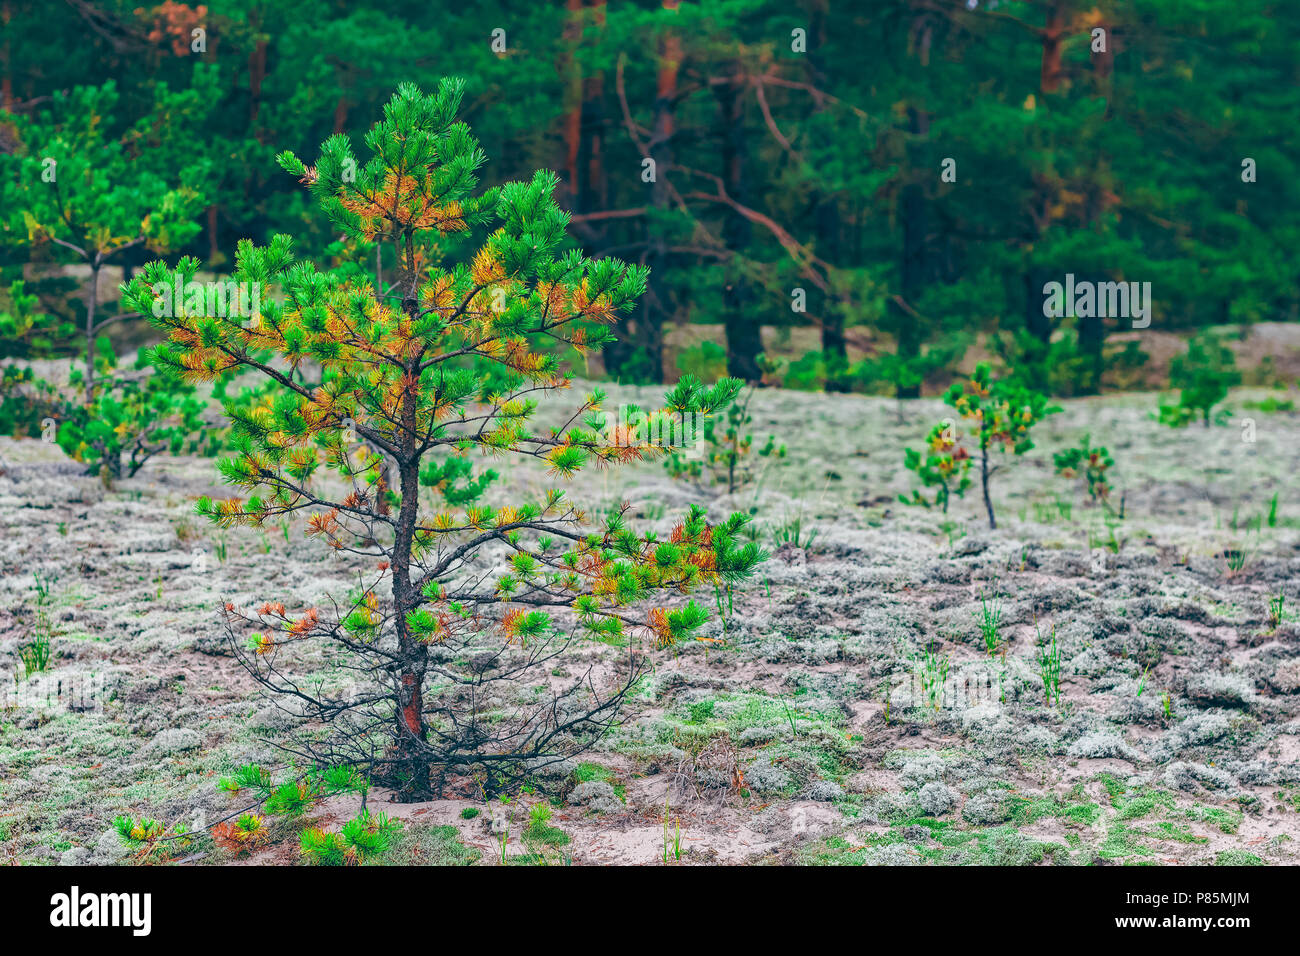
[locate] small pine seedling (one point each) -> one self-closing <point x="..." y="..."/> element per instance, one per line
<point x="1093" y="463"/>
<point x="1002" y="413"/>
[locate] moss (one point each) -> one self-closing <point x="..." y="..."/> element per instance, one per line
<point x="420" y="845"/>
<point x="1123" y="842"/>
<point x="592" y="772"/>
<point x="1167" y="830"/>
<point x="1237" y="858"/>
<point x="545" y="834"/>
<point x="1007" y="846"/>
<point x="1225" y="820"/>
<point x="1029" y="811"/>
<point x="1134" y="803"/>
<point x="835" y="851"/>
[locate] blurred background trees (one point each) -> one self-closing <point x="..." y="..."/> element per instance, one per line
<point x="831" y="195"/>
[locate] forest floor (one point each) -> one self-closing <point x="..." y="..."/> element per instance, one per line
<point x="806" y="736"/>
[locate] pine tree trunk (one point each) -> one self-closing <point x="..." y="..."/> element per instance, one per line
<point x="913" y="270"/>
<point x="827" y="220"/>
<point x="591" y="154"/>
<point x="1050" y="71"/>
<point x="984" y="480"/>
<point x="412" y="765"/>
<point x="913" y="266"/>
<point x="655" y="310"/>
<point x="92" y="301"/>
<point x="741" y="328"/>
<point x="572" y="124"/>
<point x="1092" y="340"/>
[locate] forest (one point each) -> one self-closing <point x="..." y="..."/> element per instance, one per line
<point x="649" y="432"/>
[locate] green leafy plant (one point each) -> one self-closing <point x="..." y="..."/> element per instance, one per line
<point x="1276" y="609"/>
<point x="128" y="421"/>
<point x="1203" y="374"/>
<point x="1049" y="668"/>
<point x="989" y="618"/>
<point x="81" y="190"/>
<point x="934" y="676"/>
<point x="36" y="653"/>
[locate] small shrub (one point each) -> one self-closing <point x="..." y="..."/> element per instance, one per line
<point x="707" y="361"/>
<point x="127" y="422"/>
<point x="1093" y="463"/>
<point x="1203" y="374"/>
<point x="945" y="467"/>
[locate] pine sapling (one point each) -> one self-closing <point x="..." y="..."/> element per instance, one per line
<point x="1093" y="463"/>
<point x="1001" y="414"/>
<point x="378" y="389"/>
<point x="727" y="450"/>
<point x="944" y="467"/>
<point x="1203" y="374"/>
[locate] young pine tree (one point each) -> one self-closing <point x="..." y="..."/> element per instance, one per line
<point x="1001" y="414"/>
<point x="81" y="187"/>
<point x="944" y="466"/>
<point x="438" y="366"/>
<point x="1203" y="374"/>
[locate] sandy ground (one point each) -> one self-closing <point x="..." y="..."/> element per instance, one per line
<point x="1175" y="740"/>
